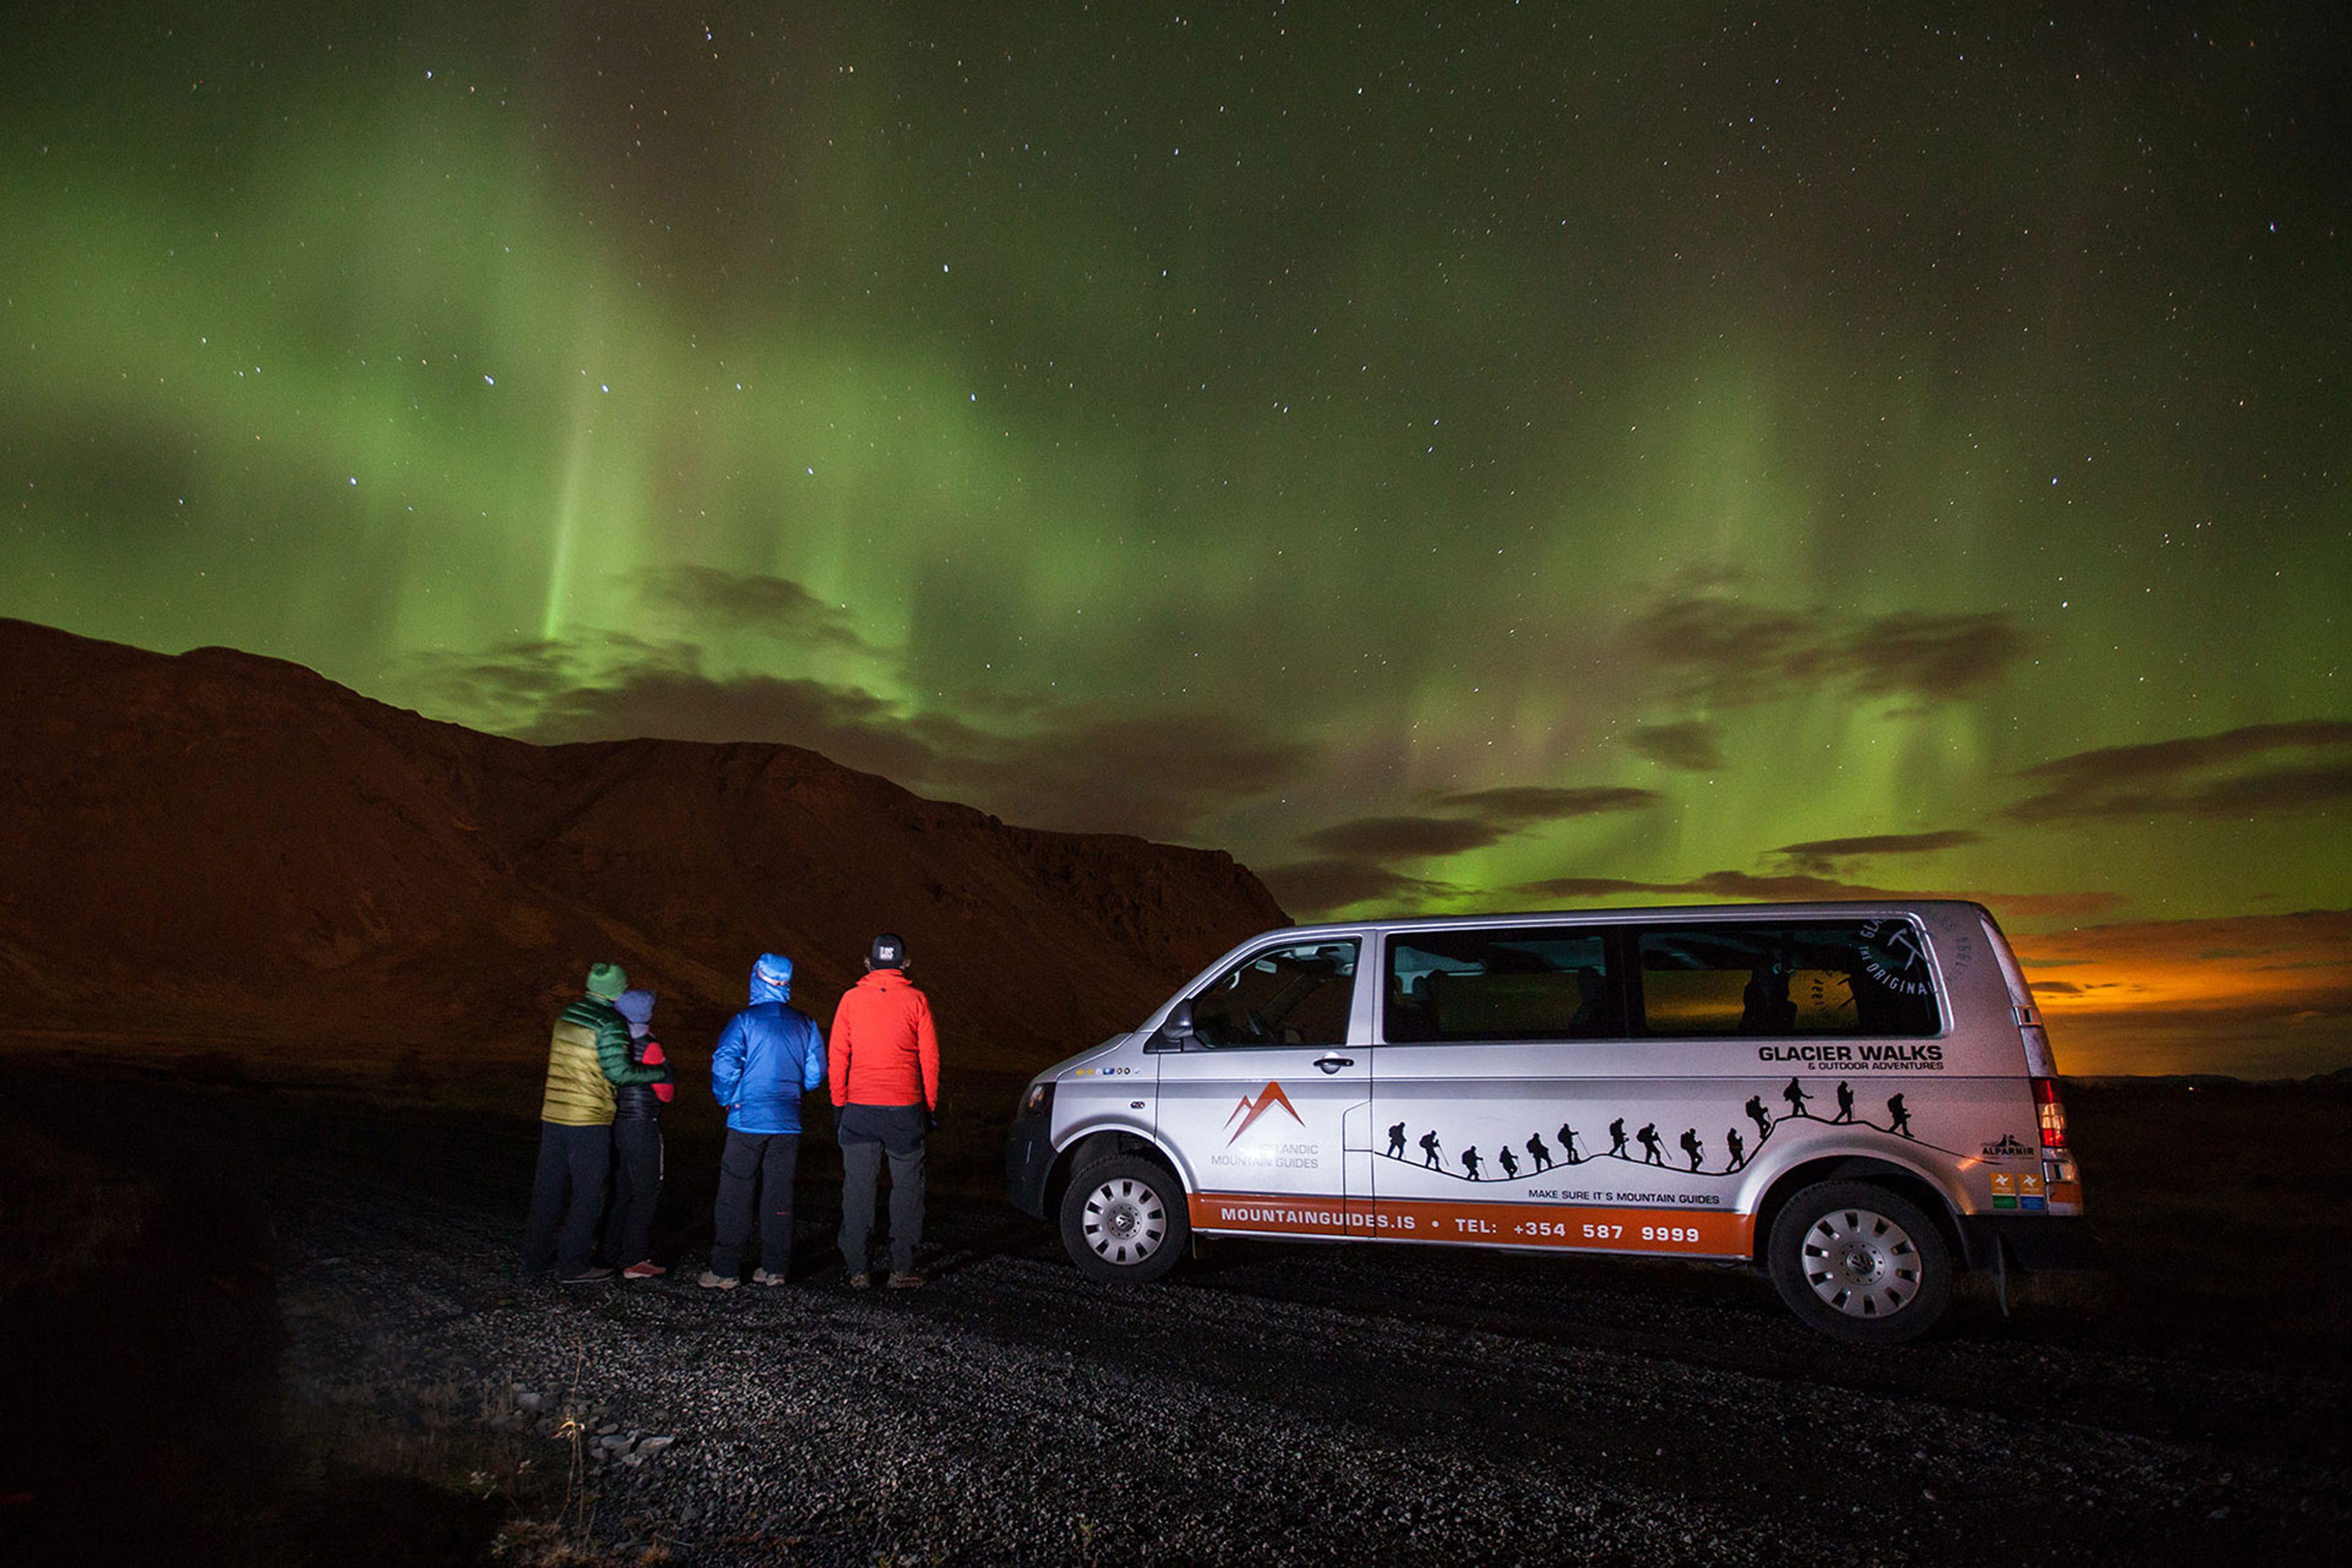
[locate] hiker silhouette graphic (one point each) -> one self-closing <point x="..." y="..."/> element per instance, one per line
<point x="1739" y="1149"/>
<point x="1692" y="1147"/>
<point x="1470" y="1164"/>
<point x="1568" y="1142"/>
<point x="1429" y="1147"/>
<point x="1651" y="1153"/>
<point x="1539" y="1151"/>
<point x="1508" y="1161"/>
<point x="1758" y="1115"/>
<point x="1845" y="1104"/>
<point x="1396" y="1142"/>
<point x="1797" y="1097"/>
<point x="1900" y="1117"/>
<point x="1617" y="1136"/>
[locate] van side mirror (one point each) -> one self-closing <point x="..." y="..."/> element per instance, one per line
<point x="1175" y="1031"/>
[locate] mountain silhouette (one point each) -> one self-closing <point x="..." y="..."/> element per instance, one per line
<point x="222" y="849"/>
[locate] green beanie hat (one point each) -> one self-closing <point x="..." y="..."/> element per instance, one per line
<point x="607" y="980"/>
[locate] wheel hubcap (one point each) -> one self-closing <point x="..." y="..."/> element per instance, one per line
<point x="1862" y="1263"/>
<point x="1125" y="1221"/>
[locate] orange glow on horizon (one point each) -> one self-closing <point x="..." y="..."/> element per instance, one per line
<point x="2251" y="995"/>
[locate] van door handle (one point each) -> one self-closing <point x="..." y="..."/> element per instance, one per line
<point x="1333" y="1064"/>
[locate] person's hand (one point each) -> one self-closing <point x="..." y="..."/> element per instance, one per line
<point x="932" y="1120"/>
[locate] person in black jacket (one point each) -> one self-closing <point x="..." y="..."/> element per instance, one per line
<point x="636" y="1148"/>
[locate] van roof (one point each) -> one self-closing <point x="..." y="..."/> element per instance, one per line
<point x="1637" y="913"/>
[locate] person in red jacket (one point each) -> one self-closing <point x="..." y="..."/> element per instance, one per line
<point x="883" y="1068"/>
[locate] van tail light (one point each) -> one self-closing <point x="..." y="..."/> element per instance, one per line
<point x="2061" y="1180"/>
<point x="2052" y="1112"/>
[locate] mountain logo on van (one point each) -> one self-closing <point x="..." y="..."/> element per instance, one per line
<point x="2008" y="1145"/>
<point x="1246" y="1110"/>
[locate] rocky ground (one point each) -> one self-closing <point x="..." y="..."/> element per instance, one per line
<point x="1272" y="1403"/>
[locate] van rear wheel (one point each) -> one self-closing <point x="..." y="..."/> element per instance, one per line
<point x="1860" y="1263"/>
<point x="1124" y="1220"/>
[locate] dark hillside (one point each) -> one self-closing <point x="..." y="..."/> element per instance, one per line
<point x="224" y="850"/>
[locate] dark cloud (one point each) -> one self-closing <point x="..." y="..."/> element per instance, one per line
<point x="1160" y="776"/>
<point x="498" y="677"/>
<point x="1352" y="868"/>
<point x="1939" y="658"/>
<point x="1524" y="806"/>
<point x="1403" y="838"/>
<point x="853" y="727"/>
<point x="1693" y="747"/>
<point x="1712" y="646"/>
<point x="1474" y="818"/>
<point x="2258" y="770"/>
<point x="1803" y="888"/>
<point x="1076" y="768"/>
<point x="1824" y="856"/>
<point x="1318" y="886"/>
<point x="751" y="601"/>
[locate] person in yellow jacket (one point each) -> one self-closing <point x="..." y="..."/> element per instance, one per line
<point x="587" y="1055"/>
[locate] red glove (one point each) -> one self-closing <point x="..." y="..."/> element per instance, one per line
<point x="664" y="1092"/>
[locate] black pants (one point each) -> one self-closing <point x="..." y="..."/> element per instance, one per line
<point x="754" y="1167"/>
<point x="637" y="1189"/>
<point x="867" y="1133"/>
<point x="567" y="1196"/>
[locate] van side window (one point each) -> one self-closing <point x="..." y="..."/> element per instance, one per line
<point x="1513" y="983"/>
<point x="1281" y="997"/>
<point x="1737" y="977"/>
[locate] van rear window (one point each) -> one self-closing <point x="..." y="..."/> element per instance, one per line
<point x="1509" y="983"/>
<point x="1783" y="978"/>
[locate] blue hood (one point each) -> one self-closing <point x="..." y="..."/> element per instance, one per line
<point x="772" y="979"/>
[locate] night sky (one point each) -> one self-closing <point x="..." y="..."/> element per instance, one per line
<point x="1487" y="457"/>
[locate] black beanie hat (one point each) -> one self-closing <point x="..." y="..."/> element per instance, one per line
<point x="889" y="952"/>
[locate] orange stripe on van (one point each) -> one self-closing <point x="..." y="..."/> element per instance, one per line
<point x="1697" y="1233"/>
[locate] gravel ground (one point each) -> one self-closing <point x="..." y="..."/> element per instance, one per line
<point x="1293" y="1404"/>
<point x="322" y="1329"/>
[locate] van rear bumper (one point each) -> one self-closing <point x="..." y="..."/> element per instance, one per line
<point x="2031" y="1242"/>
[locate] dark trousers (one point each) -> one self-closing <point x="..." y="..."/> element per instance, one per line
<point x="755" y="1168"/>
<point x="637" y="1189"/>
<point x="567" y="1196"/>
<point x="868" y="1134"/>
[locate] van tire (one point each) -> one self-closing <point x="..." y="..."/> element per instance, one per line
<point x="1124" y="1220"/>
<point x="1860" y="1263"/>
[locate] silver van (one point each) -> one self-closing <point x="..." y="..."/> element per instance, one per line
<point x="1858" y="1098"/>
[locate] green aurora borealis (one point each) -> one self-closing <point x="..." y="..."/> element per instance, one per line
<point x="1492" y="456"/>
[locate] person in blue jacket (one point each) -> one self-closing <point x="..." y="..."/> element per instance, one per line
<point x="769" y="1055"/>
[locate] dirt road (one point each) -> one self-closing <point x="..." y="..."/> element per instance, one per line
<point x="1272" y="1403"/>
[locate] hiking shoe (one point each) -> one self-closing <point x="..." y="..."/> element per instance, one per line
<point x="761" y="1277"/>
<point x="908" y="1279"/>
<point x="596" y="1276"/>
<point x="648" y="1270"/>
<point x="710" y="1282"/>
<point x="861" y="1281"/>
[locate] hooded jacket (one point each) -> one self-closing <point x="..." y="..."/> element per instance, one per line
<point x="886" y="1050"/>
<point x="640" y="1102"/>
<point x="769" y="1055"/>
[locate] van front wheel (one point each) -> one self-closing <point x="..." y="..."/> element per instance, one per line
<point x="1124" y="1220"/>
<point x="1860" y="1263"/>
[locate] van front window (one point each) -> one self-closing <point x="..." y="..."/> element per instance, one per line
<point x="1299" y="995"/>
